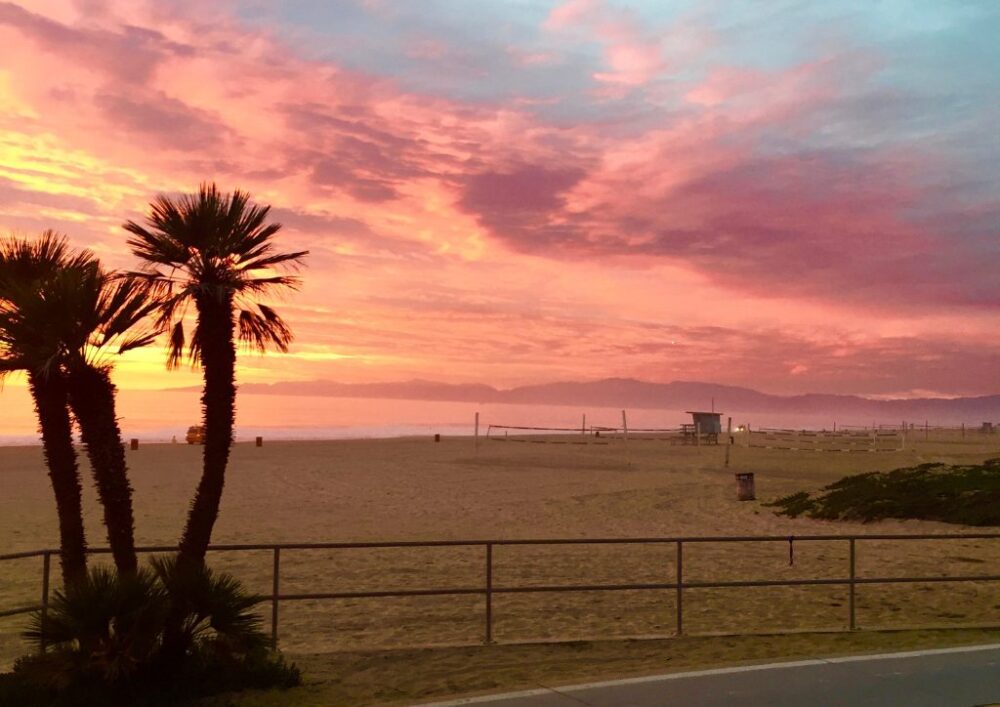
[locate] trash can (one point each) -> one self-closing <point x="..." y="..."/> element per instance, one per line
<point x="745" y="487"/>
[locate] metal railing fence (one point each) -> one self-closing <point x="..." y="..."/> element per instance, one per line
<point x="488" y="589"/>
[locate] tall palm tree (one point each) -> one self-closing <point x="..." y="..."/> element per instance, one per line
<point x="22" y="348"/>
<point x="217" y="252"/>
<point x="104" y="315"/>
<point x="74" y="315"/>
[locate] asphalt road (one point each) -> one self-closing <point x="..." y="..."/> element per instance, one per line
<point x="959" y="677"/>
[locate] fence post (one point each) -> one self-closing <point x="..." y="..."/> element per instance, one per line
<point x="729" y="438"/>
<point x="489" y="592"/>
<point x="275" y="586"/>
<point x="850" y="596"/>
<point x="680" y="584"/>
<point x="46" y="567"/>
<point x="628" y="458"/>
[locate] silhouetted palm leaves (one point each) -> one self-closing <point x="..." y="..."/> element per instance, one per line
<point x="178" y="628"/>
<point x="107" y="634"/>
<point x="215" y="252"/>
<point x="25" y="345"/>
<point x="62" y="318"/>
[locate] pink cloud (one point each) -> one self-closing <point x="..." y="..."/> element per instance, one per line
<point x="633" y="57"/>
<point x="437" y="227"/>
<point x="572" y="12"/>
<point x="130" y="54"/>
<point x="724" y="84"/>
<point x="696" y="191"/>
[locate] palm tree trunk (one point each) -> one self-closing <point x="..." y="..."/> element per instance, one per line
<point x="92" y="397"/>
<point x="50" y="396"/>
<point x="215" y="336"/>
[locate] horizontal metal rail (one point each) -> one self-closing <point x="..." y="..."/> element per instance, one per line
<point x="652" y="539"/>
<point x="21" y="610"/>
<point x="22" y="555"/>
<point x="548" y="588"/>
<point x="490" y="588"/>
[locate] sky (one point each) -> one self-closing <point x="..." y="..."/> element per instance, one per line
<point x="792" y="195"/>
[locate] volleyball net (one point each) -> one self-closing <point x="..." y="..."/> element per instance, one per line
<point x="589" y="434"/>
<point x="843" y="440"/>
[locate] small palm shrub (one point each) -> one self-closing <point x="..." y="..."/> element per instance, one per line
<point x="105" y="628"/>
<point x="112" y="640"/>
<point x="215" y="611"/>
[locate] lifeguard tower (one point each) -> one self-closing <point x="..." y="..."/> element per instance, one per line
<point x="705" y="428"/>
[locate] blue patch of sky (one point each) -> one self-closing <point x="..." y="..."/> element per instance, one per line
<point x="484" y="47"/>
<point x="381" y="36"/>
<point x="936" y="82"/>
<point x="465" y="51"/>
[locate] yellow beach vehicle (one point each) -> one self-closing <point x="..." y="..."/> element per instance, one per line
<point x="196" y="434"/>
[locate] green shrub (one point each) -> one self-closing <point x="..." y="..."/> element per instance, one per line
<point x="968" y="494"/>
<point x="204" y="673"/>
<point x="106" y="627"/>
<point x="214" y="610"/>
<point x="107" y="639"/>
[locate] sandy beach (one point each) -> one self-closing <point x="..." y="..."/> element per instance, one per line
<point x="415" y="489"/>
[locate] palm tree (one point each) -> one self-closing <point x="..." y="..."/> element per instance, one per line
<point x="104" y="314"/>
<point x="217" y="252"/>
<point x="73" y="314"/>
<point x="22" y="348"/>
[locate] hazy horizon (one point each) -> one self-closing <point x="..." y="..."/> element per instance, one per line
<point x="159" y="416"/>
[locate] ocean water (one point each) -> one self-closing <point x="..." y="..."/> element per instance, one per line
<point x="159" y="416"/>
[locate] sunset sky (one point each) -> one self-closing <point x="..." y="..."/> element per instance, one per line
<point x="792" y="195"/>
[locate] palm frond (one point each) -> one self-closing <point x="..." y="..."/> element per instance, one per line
<point x="262" y="261"/>
<point x="58" y="305"/>
<point x="265" y="285"/>
<point x="216" y="246"/>
<point x="263" y="329"/>
<point x="175" y="345"/>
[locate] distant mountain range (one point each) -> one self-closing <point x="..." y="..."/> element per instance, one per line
<point x="631" y="393"/>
